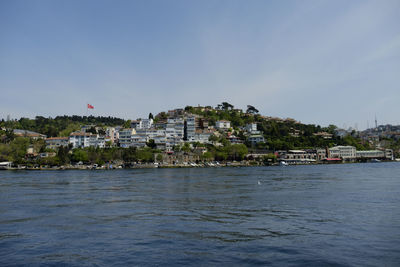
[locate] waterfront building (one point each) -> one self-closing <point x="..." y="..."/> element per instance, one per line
<point x="344" y="152"/>
<point x="375" y="154"/>
<point x="370" y="154"/>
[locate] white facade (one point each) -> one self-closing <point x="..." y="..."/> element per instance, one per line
<point x="251" y="127"/>
<point x="202" y="136"/>
<point x="175" y="128"/>
<point x="223" y="125"/>
<point x="56" y="142"/>
<point x="142" y="124"/>
<point x="344" y="152"/>
<point x="81" y="140"/>
<point x="190" y="128"/>
<point x="125" y="137"/>
<point x="147" y="123"/>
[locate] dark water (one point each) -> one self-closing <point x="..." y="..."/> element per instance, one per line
<point x="336" y="215"/>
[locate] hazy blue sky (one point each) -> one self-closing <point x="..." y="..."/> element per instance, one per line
<point x="317" y="61"/>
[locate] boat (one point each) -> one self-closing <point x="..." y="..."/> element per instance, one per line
<point x="283" y="163"/>
<point x="6" y="165"/>
<point x="375" y="160"/>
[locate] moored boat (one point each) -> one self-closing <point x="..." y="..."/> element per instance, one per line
<point x="6" y="165"/>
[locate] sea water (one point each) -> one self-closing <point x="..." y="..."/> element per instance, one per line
<point x="320" y="215"/>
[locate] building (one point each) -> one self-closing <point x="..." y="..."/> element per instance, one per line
<point x="56" y="142"/>
<point x="142" y="124"/>
<point x="125" y="137"/>
<point x="324" y="135"/>
<point x="82" y="139"/>
<point x="251" y="128"/>
<point x="375" y="154"/>
<point x="234" y="139"/>
<point x="370" y="154"/>
<point x="344" y="152"/>
<point x="190" y="128"/>
<point x="223" y="125"/>
<point x="29" y="134"/>
<point x="112" y="135"/>
<point x="256" y="138"/>
<point x="203" y="136"/>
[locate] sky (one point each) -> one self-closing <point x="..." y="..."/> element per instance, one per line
<point x="319" y="62"/>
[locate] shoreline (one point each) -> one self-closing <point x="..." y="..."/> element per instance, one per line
<point x="174" y="166"/>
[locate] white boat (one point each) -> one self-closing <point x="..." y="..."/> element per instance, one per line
<point x="283" y="163"/>
<point x="6" y="165"/>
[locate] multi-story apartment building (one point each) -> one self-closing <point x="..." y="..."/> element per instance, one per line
<point x="190" y="127"/>
<point x="56" y="142"/>
<point x="125" y="137"/>
<point x="142" y="124"/>
<point x="82" y="139"/>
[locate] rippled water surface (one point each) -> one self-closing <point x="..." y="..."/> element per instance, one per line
<point x="326" y="215"/>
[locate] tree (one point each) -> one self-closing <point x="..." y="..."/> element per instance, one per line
<point x="151" y="116"/>
<point x="127" y="124"/>
<point x="80" y="155"/>
<point x="226" y="106"/>
<point x="92" y="130"/>
<point x="251" y="109"/>
<point x="151" y="144"/>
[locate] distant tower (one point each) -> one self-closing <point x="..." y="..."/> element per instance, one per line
<point x="376" y="122"/>
<point x="367" y="124"/>
<point x="8" y="117"/>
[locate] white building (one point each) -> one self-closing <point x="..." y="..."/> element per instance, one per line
<point x="56" y="142"/>
<point x="190" y="128"/>
<point x="125" y="137"/>
<point x="175" y="128"/>
<point x="223" y="125"/>
<point x="344" y="152"/>
<point x="147" y="123"/>
<point x="81" y="139"/>
<point x="139" y="140"/>
<point x="203" y="136"/>
<point x="142" y="124"/>
<point x="251" y="127"/>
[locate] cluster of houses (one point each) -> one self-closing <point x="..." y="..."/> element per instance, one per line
<point x="178" y="128"/>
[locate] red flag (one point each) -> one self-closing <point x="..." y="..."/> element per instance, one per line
<point x="90" y="106"/>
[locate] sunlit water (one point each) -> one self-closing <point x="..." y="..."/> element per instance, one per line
<point x="326" y="215"/>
